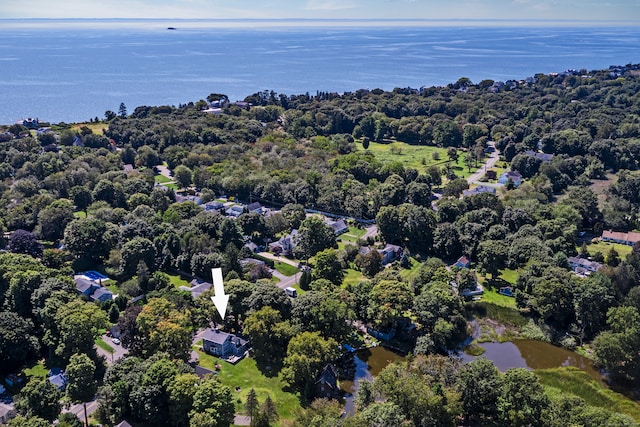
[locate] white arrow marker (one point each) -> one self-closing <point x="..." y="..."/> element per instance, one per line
<point x="220" y="300"/>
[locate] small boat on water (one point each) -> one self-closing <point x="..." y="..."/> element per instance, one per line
<point x="171" y="28"/>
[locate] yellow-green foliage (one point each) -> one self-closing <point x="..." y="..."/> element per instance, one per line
<point x="560" y="381"/>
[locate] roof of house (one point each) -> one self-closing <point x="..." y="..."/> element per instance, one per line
<point x="329" y="375"/>
<point x="5" y="410"/>
<point x="83" y="284"/>
<point x="462" y="261"/>
<point x="101" y="292"/>
<point x="197" y="287"/>
<point x="391" y="248"/>
<point x="201" y="371"/>
<point x="479" y="189"/>
<point x="254" y="206"/>
<point x="123" y="423"/>
<point x="542" y="156"/>
<point x="219" y="337"/>
<point x="59" y="381"/>
<point x="618" y="235"/>
<point x="585" y="263"/>
<point x="338" y="226"/>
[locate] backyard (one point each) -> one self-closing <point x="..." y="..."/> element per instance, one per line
<point x="245" y="376"/>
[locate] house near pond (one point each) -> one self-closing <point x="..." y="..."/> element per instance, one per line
<point x="226" y="346"/>
<point x="326" y="385"/>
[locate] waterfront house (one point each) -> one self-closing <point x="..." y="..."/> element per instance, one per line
<point x="326" y="386"/>
<point x="226" y="346"/>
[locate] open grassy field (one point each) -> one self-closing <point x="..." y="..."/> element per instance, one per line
<point x="419" y="157"/>
<point x="246" y="375"/>
<point x="95" y="127"/>
<point x="569" y="380"/>
<point x="605" y="247"/>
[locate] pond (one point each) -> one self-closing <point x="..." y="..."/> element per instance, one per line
<point x="528" y="354"/>
<point x="532" y="354"/>
<point x="368" y="363"/>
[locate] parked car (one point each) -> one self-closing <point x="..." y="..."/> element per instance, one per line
<point x="115" y="341"/>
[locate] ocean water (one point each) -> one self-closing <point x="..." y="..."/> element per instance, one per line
<point x="66" y="72"/>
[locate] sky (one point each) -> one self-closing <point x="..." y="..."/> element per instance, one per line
<point x="627" y="11"/>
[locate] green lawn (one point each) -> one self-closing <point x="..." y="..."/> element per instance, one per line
<point x="177" y="280"/>
<point x="80" y="214"/>
<point x="286" y="269"/>
<point x="172" y="186"/>
<point x="246" y="375"/>
<point x="409" y="274"/>
<point x="509" y="275"/>
<point x="353" y="235"/>
<point x="103" y="345"/>
<point x="37" y="370"/>
<point x="569" y="380"/>
<point x="161" y="179"/>
<point x="352" y="276"/>
<point x="605" y="247"/>
<point x="492" y="296"/>
<point x="411" y="156"/>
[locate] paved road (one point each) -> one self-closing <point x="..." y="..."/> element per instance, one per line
<point x="491" y="162"/>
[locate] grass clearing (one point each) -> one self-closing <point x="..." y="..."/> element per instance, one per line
<point x="96" y="128"/>
<point x="286" y="269"/>
<point x="80" y="214"/>
<point x="605" y="247"/>
<point x="492" y="296"/>
<point x="161" y="179"/>
<point x="178" y="281"/>
<point x="509" y="275"/>
<point x="38" y="370"/>
<point x="409" y="273"/>
<point x="564" y="380"/>
<point x="352" y="277"/>
<point x="419" y="157"/>
<point x="246" y="375"/>
<point x="353" y="235"/>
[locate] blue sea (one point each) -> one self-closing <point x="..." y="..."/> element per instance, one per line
<point x="68" y="71"/>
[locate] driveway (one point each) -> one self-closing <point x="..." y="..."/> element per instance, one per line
<point x="163" y="170"/>
<point x="118" y="351"/>
<point x="78" y="409"/>
<point x="488" y="164"/>
<point x="372" y="231"/>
